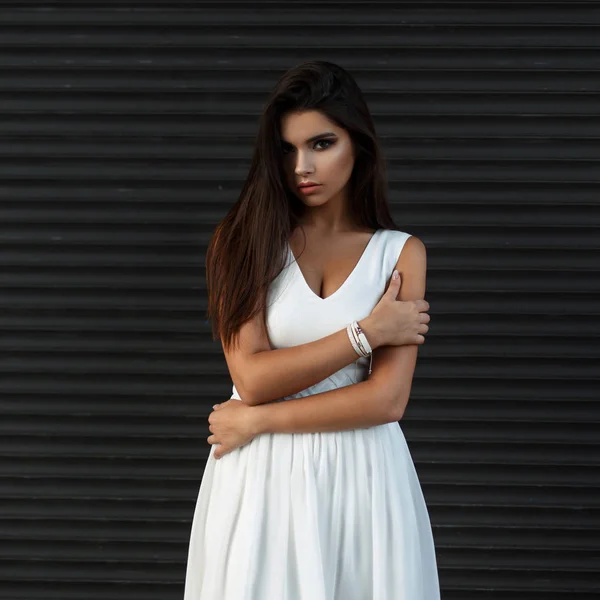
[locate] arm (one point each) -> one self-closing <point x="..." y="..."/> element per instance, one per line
<point x="256" y="369"/>
<point x="380" y="399"/>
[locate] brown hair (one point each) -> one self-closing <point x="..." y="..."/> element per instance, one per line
<point x="246" y="251"/>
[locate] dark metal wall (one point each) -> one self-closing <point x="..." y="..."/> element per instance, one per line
<point x="125" y="133"/>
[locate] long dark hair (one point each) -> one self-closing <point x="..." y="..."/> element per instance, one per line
<point x="246" y="251"/>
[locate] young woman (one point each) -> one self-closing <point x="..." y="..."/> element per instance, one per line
<point x="309" y="491"/>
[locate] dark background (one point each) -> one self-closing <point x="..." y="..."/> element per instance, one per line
<point x="125" y="133"/>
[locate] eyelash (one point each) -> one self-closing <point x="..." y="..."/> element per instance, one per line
<point x="330" y="143"/>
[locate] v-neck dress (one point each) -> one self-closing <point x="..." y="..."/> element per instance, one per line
<point x="316" y="516"/>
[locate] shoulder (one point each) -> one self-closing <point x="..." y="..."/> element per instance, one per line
<point x="413" y="250"/>
<point x="408" y="254"/>
<point x="403" y="246"/>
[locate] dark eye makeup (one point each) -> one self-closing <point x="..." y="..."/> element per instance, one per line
<point x="329" y="142"/>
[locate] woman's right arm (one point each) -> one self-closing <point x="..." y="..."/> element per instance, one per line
<point x="261" y="374"/>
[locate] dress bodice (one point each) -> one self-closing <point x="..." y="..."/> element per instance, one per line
<point x="296" y="315"/>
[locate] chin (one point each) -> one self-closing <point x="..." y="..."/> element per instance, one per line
<point x="314" y="201"/>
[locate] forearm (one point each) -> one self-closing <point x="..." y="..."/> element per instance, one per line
<point x="354" y="406"/>
<point x="274" y="374"/>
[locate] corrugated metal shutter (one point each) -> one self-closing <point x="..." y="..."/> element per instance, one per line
<point x="126" y="130"/>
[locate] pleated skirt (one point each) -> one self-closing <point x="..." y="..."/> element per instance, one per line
<point x="313" y="516"/>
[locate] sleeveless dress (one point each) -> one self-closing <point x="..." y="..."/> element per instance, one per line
<point x="316" y="516"/>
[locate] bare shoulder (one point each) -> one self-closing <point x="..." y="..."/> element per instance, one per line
<point x="412" y="266"/>
<point x="414" y="249"/>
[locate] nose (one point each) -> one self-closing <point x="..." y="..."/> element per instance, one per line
<point x="304" y="164"/>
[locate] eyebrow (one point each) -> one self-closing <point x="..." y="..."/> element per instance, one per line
<point x="314" y="138"/>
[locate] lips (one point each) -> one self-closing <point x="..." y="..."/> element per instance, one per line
<point x="308" y="184"/>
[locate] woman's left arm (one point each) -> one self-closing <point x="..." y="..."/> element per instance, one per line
<point x="380" y="399"/>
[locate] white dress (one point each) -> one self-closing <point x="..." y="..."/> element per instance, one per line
<point x="316" y="516"/>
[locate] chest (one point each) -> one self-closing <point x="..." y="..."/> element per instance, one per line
<point x="296" y="314"/>
<point x="325" y="268"/>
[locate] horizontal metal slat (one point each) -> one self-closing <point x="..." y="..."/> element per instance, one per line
<point x="235" y="126"/>
<point x="558" y="14"/>
<point x="72" y="102"/>
<point x="18" y="74"/>
<point x="307" y="37"/>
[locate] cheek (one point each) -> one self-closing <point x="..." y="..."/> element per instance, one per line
<point x="338" y="164"/>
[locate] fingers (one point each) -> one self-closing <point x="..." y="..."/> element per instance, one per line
<point x="394" y="283"/>
<point x="422" y="305"/>
<point x="219" y="450"/>
<point x="220" y="405"/>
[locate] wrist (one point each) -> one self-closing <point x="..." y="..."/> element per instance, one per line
<point x="371" y="332"/>
<point x="259" y="419"/>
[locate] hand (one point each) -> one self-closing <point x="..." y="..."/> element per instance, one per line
<point x="397" y="322"/>
<point x="232" y="425"/>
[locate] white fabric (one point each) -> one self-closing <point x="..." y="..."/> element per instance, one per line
<point x="316" y="516"/>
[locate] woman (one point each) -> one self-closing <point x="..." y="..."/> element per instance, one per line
<point x="309" y="491"/>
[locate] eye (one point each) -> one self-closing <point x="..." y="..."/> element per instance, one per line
<point x="328" y="142"/>
<point x="287" y="148"/>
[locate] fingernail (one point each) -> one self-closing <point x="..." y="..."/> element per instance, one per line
<point x="395" y="274"/>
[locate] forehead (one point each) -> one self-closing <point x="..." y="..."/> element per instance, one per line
<point x="299" y="126"/>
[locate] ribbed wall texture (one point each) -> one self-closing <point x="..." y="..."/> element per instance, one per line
<point x="125" y="133"/>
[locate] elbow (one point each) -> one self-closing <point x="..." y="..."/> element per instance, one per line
<point x="396" y="406"/>
<point x="391" y="401"/>
<point x="243" y="390"/>
<point x="248" y="395"/>
<point x="251" y="387"/>
<point x="249" y="401"/>
<point x="396" y="415"/>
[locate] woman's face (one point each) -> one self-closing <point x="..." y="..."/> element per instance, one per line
<point x="316" y="150"/>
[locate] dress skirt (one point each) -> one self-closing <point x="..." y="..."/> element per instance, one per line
<point x="313" y="516"/>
